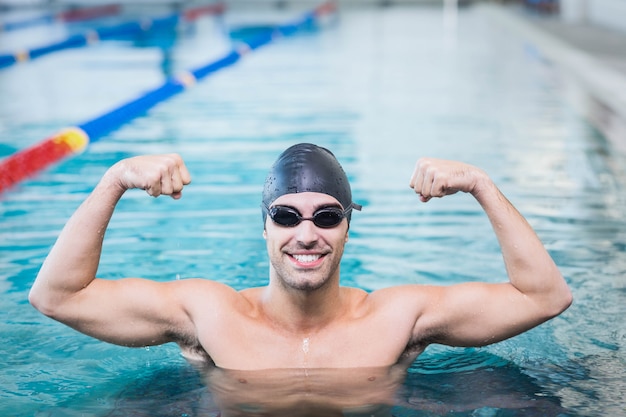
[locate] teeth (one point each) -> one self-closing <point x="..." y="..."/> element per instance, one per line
<point x="306" y="258"/>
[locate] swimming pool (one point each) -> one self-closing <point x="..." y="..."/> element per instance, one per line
<point x="380" y="87"/>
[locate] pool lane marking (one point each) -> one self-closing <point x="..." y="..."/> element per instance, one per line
<point x="186" y="79"/>
<point x="22" y="56"/>
<point x="91" y="36"/>
<point x="73" y="140"/>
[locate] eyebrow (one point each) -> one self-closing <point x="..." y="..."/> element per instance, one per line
<point x="315" y="209"/>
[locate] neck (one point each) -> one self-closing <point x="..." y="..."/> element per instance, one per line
<point x="302" y="311"/>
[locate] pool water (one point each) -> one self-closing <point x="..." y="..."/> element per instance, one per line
<point x="380" y="87"/>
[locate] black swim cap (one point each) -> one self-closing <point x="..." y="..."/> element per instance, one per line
<point x="308" y="168"/>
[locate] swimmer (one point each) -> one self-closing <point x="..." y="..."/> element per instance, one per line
<point x="303" y="317"/>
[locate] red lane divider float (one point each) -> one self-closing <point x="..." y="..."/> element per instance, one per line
<point x="88" y="13"/>
<point x="28" y="162"/>
<point x="210" y="9"/>
<point x="43" y="154"/>
<point x="72" y="15"/>
<point x="325" y="9"/>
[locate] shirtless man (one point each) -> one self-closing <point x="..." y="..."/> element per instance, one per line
<point x="303" y="318"/>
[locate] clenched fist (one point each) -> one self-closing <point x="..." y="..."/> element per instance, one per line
<point x="438" y="178"/>
<point x="157" y="174"/>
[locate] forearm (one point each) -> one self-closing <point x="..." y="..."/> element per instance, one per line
<point x="73" y="261"/>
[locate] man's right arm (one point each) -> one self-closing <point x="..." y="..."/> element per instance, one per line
<point x="130" y="312"/>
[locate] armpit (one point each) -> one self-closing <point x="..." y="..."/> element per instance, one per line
<point x="192" y="349"/>
<point x="412" y="351"/>
<point x="196" y="354"/>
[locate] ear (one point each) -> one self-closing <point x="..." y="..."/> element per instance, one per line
<point x="264" y="234"/>
<point x="347" y="237"/>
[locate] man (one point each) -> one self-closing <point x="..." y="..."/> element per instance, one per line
<point x="303" y="318"/>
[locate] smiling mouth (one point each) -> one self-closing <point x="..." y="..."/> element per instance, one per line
<point x="306" y="259"/>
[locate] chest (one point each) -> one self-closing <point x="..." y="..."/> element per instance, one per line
<point x="241" y="343"/>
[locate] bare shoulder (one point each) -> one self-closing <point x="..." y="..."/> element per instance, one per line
<point x="406" y="302"/>
<point x="204" y="302"/>
<point x="415" y="295"/>
<point x="200" y="284"/>
<point x="211" y="294"/>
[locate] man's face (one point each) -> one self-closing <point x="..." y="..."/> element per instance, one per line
<point x="305" y="257"/>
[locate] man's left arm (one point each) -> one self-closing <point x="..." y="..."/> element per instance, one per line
<point x="476" y="314"/>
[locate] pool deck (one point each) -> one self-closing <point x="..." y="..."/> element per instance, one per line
<point x="592" y="57"/>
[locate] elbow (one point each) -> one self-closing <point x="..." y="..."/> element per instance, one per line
<point x="560" y="301"/>
<point x="567" y="299"/>
<point x="42" y="303"/>
<point x="36" y="300"/>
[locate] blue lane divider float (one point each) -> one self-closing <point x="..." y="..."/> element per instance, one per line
<point x="28" y="162"/>
<point x="128" y="29"/>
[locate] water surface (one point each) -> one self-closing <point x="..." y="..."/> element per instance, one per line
<point x="381" y="88"/>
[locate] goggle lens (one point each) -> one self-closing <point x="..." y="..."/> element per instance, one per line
<point x="325" y="218"/>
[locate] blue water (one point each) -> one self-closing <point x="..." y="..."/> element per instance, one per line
<point x="380" y="87"/>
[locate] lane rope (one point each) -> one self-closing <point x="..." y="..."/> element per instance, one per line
<point x="73" y="140"/>
<point x="91" y="36"/>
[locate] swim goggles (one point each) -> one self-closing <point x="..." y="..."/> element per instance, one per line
<point x="325" y="218"/>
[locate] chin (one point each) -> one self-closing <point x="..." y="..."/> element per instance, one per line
<point x="306" y="285"/>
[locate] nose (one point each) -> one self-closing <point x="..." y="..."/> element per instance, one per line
<point x="306" y="233"/>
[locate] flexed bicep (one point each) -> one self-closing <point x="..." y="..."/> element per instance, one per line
<point x="129" y="312"/>
<point x="477" y="314"/>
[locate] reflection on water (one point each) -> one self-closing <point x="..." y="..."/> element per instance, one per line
<point x="305" y="392"/>
<point x="505" y="389"/>
<point x="188" y="391"/>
